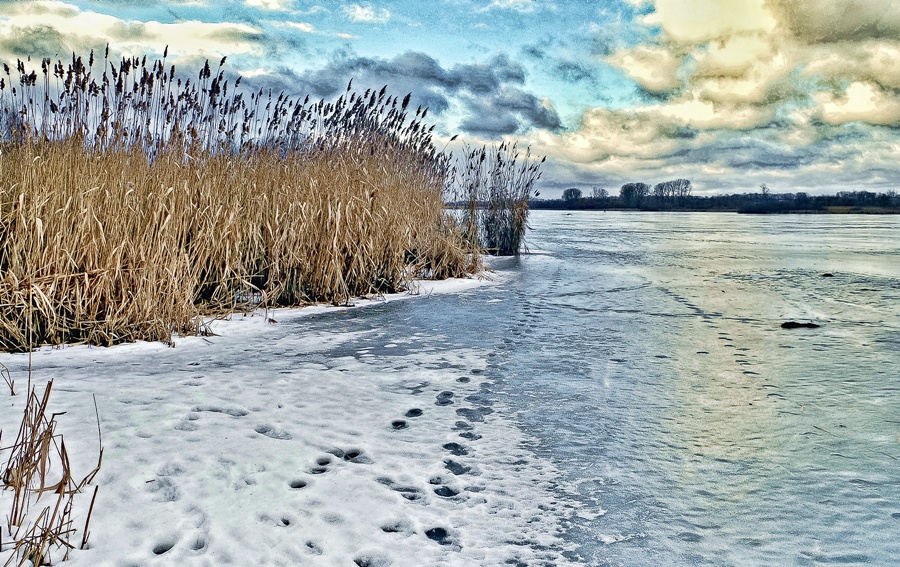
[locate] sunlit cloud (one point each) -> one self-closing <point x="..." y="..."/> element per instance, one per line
<point x="301" y="26"/>
<point x="791" y="75"/>
<point x="367" y="14"/>
<point x="55" y="28"/>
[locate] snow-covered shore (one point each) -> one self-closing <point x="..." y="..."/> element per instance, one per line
<point x="281" y="444"/>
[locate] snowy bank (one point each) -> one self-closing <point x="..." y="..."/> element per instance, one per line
<point x="291" y="444"/>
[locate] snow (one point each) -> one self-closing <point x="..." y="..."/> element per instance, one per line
<point x="276" y="444"/>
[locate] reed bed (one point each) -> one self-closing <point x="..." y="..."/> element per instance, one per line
<point x="490" y="189"/>
<point x="133" y="202"/>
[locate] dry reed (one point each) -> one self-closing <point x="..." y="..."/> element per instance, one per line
<point x="490" y="189"/>
<point x="134" y="202"/>
<point x="27" y="475"/>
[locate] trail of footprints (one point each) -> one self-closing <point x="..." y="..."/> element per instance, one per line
<point x="443" y="486"/>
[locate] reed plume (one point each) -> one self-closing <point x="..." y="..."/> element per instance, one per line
<point x="490" y="190"/>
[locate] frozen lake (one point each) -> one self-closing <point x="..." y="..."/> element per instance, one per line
<point x="645" y="353"/>
<point x="622" y="395"/>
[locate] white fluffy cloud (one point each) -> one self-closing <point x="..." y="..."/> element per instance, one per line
<point x="753" y="52"/>
<point x="860" y="102"/>
<point x="304" y="27"/>
<point x="53" y="27"/>
<point x="367" y="14"/>
<point x="654" y="68"/>
<point x="695" y="22"/>
<point x="780" y="76"/>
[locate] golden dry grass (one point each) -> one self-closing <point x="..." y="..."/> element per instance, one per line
<point x="128" y="213"/>
<point x="491" y="189"/>
<point x="105" y="248"/>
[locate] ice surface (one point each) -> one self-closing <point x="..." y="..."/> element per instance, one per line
<point x="623" y="395"/>
<point x="289" y="444"/>
<point x="646" y="356"/>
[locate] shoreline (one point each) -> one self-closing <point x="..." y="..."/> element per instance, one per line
<point x="290" y="444"/>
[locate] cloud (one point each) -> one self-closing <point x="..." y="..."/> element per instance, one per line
<point x="695" y="22"/>
<point x="52" y="28"/>
<point x="860" y="102"/>
<point x="313" y="10"/>
<point x="273" y="5"/>
<point x="511" y="111"/>
<point x="825" y="21"/>
<point x="149" y="2"/>
<point x="654" y="68"/>
<point x="874" y="61"/>
<point x="486" y="98"/>
<point x="22" y="42"/>
<point x="491" y="124"/>
<point x="367" y="14"/>
<point x="302" y="26"/>
<point x="573" y="71"/>
<point x="773" y="53"/>
<point x="738" y="89"/>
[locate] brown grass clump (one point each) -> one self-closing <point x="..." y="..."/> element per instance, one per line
<point x="490" y="189"/>
<point x="133" y="203"/>
<point x="38" y="465"/>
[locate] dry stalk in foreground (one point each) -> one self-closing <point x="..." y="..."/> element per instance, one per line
<point x="38" y="466"/>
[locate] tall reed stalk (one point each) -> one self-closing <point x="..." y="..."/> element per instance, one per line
<point x="490" y="190"/>
<point x="134" y="201"/>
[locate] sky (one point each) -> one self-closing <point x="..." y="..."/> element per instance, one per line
<point x="802" y="95"/>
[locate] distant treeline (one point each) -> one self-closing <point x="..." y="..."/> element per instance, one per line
<point x="675" y="196"/>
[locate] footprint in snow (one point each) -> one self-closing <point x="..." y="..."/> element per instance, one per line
<point x="444" y="399"/>
<point x="351" y="456"/>
<point x="164" y="546"/>
<point x="439" y="535"/>
<point x="408" y="492"/>
<point x="271" y="432"/>
<point x="164" y="489"/>
<point x="372" y="560"/>
<point x="398" y="527"/>
<point x="320" y="467"/>
<point x="474" y="414"/>
<point x="443" y="490"/>
<point x="456" y="449"/>
<point x="312" y="548"/>
<point x="233" y="412"/>
<point x="456" y="468"/>
<point x="446" y="492"/>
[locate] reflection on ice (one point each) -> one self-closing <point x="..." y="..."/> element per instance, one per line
<point x="716" y="436"/>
